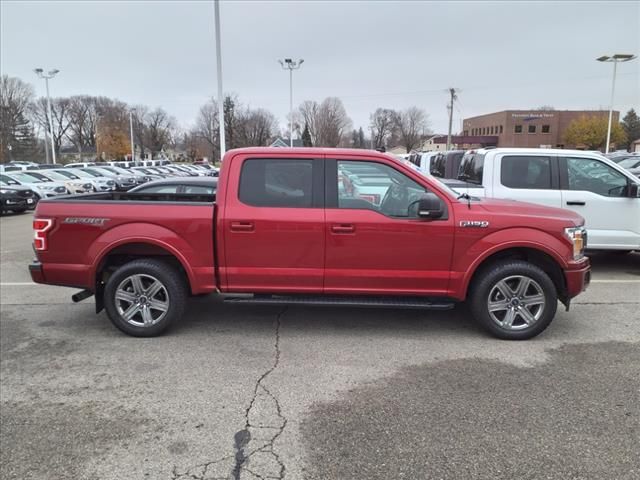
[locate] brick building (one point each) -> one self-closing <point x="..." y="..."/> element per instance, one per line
<point x="529" y="128"/>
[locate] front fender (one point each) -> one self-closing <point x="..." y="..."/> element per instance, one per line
<point x="467" y="262"/>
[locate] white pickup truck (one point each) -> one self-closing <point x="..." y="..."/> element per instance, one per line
<point x="605" y="194"/>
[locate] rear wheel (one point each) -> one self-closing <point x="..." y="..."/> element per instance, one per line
<point x="514" y="300"/>
<point x="143" y="297"/>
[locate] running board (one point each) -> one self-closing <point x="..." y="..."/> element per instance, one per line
<point x="345" y="301"/>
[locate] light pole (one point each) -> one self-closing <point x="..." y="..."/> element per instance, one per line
<point x="291" y="65"/>
<point x="618" y="57"/>
<point x="216" y="14"/>
<point x="133" y="152"/>
<point x="50" y="74"/>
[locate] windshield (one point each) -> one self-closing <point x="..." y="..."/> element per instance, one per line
<point x="631" y="162"/>
<point x="92" y="172"/>
<point x="81" y="174"/>
<point x="26" y="178"/>
<point x="56" y="176"/>
<point x="66" y="174"/>
<point x="39" y="176"/>
<point x="8" y="181"/>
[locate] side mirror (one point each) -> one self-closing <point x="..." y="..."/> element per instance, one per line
<point x="634" y="190"/>
<point x="430" y="206"/>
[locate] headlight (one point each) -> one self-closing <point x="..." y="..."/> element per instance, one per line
<point x="4" y="191"/>
<point x="88" y="186"/>
<point x="578" y="236"/>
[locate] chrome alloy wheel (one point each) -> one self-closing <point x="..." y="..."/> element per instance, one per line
<point x="516" y="302"/>
<point x="142" y="300"/>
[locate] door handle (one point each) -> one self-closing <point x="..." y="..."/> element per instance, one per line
<point x="242" y="227"/>
<point x="576" y="202"/>
<point x="343" y="228"/>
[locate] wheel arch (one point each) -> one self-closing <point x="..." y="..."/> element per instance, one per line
<point x="546" y="261"/>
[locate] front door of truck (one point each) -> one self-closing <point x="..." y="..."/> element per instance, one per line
<point x="274" y="226"/>
<point x="376" y="243"/>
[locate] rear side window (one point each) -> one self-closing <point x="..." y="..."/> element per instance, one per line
<point x="471" y="168"/>
<point x="437" y="166"/>
<point x="530" y="172"/>
<point x="277" y="183"/>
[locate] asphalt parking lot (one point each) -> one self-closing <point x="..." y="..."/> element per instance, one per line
<point x="245" y="392"/>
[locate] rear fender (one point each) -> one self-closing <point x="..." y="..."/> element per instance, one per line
<point x="150" y="234"/>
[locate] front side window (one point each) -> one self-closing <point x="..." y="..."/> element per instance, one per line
<point x="277" y="183"/>
<point x="591" y="175"/>
<point x="517" y="129"/>
<point x="531" y="172"/>
<point x="379" y="187"/>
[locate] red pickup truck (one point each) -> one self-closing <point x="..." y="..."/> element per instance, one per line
<point x="314" y="226"/>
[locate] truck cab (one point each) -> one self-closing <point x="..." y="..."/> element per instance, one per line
<point x="596" y="188"/>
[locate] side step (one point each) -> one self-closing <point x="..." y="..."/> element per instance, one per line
<point x="345" y="301"/>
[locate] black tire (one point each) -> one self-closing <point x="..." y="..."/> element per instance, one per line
<point x="173" y="294"/>
<point x="486" y="288"/>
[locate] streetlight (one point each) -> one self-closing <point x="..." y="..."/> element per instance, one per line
<point x="133" y="152"/>
<point x="291" y="65"/>
<point x="618" y="57"/>
<point x="50" y="74"/>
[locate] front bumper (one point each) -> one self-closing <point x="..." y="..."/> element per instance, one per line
<point x="578" y="277"/>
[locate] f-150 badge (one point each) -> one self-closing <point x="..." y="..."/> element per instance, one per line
<point x="474" y="223"/>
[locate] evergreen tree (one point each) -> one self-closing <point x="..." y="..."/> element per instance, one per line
<point x="306" y="137"/>
<point x="631" y="126"/>
<point x="361" y="141"/>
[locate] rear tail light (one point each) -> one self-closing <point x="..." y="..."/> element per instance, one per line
<point x="40" y="228"/>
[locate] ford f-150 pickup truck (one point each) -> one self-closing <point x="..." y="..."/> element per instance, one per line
<point x="286" y="227"/>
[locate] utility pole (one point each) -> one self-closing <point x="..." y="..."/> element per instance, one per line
<point x="452" y="92"/>
<point x="133" y="151"/>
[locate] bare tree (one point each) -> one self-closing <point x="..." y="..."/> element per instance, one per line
<point x="60" y="108"/>
<point x="159" y="131"/>
<point x="412" y="124"/>
<point x="207" y="126"/>
<point x="328" y="122"/>
<point x="383" y="124"/>
<point x="255" y="127"/>
<point x="79" y="107"/>
<point x="16" y="131"/>
<point x="139" y="117"/>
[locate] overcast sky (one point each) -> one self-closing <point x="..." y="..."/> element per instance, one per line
<point x="370" y="53"/>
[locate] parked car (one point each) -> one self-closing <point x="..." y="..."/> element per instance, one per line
<point x="122" y="183"/>
<point x="601" y="191"/>
<point x="45" y="166"/>
<point x="188" y="185"/>
<point x="80" y="165"/>
<point x="631" y="163"/>
<point x="446" y="164"/>
<point x="279" y="231"/>
<point x="73" y="185"/>
<point x="28" y="194"/>
<point x="100" y="184"/>
<point x="141" y="177"/>
<point x="12" y="201"/>
<point x="42" y="189"/>
<point x="423" y="160"/>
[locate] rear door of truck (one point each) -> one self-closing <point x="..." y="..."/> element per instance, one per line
<point x="273" y="224"/>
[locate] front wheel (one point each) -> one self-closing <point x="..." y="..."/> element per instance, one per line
<point x="143" y="297"/>
<point x="514" y="300"/>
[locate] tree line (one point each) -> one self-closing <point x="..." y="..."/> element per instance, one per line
<point x="99" y="126"/>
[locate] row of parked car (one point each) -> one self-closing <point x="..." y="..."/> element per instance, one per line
<point x="605" y="191"/>
<point x="23" y="184"/>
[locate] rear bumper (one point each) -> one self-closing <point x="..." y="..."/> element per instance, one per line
<point x="35" y="269"/>
<point x="578" y="278"/>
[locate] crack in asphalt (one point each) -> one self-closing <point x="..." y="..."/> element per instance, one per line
<point x="256" y="440"/>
